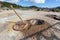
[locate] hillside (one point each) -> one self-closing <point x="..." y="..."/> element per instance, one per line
<point x="6" y="4"/>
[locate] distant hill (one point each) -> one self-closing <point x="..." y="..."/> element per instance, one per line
<point x="6" y="4"/>
<point x="56" y="9"/>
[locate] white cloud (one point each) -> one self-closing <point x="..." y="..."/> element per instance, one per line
<point x="2" y="0"/>
<point x="11" y="1"/>
<point x="57" y="0"/>
<point x="33" y="1"/>
<point x="36" y="1"/>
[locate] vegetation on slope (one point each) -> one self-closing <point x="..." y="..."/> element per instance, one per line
<point x="57" y="9"/>
<point x="6" y="4"/>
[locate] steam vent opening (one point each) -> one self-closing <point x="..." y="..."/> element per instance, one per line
<point x="54" y="17"/>
<point x="57" y="18"/>
<point x="37" y="21"/>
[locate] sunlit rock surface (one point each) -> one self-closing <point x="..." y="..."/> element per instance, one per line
<point x="10" y="34"/>
<point x="49" y="34"/>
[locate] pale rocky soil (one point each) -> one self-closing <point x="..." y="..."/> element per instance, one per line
<point x="9" y="15"/>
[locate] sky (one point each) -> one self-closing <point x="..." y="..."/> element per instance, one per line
<point x="39" y="3"/>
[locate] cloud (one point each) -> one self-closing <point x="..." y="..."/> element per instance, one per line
<point x="17" y="1"/>
<point x="36" y="1"/>
<point x="57" y="0"/>
<point x="11" y="1"/>
<point x="2" y="0"/>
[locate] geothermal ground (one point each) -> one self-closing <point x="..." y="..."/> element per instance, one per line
<point x="6" y="16"/>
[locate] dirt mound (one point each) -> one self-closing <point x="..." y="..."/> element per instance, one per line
<point x="31" y="26"/>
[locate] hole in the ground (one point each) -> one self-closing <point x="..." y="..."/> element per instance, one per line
<point x="54" y="17"/>
<point x="36" y="21"/>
